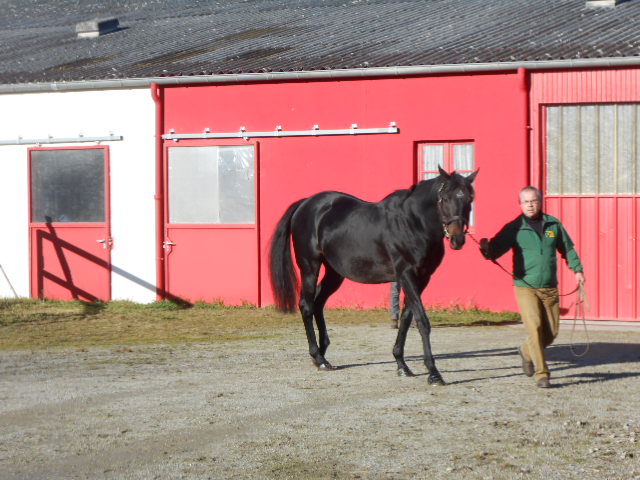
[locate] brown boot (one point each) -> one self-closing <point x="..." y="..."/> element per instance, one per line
<point x="543" y="383"/>
<point x="527" y="365"/>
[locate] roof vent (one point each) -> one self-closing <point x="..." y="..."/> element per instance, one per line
<point x="95" y="28"/>
<point x="602" y="3"/>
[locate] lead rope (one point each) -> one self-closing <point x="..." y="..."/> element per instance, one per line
<point x="581" y="298"/>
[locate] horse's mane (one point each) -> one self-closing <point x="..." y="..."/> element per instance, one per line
<point x="404" y="193"/>
<point x="429" y="188"/>
<point x="399" y="194"/>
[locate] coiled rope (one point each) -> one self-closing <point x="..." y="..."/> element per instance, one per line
<point x="581" y="299"/>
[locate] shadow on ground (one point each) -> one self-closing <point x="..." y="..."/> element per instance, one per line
<point x="563" y="360"/>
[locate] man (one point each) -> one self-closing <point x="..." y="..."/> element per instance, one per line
<point x="394" y="304"/>
<point x="534" y="238"/>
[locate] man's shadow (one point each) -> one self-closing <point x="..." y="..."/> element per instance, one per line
<point x="564" y="359"/>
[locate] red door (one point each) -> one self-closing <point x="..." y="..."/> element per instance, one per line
<point x="69" y="229"/>
<point x="211" y="231"/>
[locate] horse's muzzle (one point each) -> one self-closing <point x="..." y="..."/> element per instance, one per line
<point x="457" y="240"/>
<point x="455" y="231"/>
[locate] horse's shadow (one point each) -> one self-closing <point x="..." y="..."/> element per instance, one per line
<point x="419" y="359"/>
<point x="563" y="359"/>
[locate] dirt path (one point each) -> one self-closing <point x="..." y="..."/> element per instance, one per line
<point x="258" y="410"/>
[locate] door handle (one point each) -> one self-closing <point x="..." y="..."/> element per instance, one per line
<point x="106" y="242"/>
<point x="167" y="244"/>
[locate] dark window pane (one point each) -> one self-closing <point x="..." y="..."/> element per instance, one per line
<point x="67" y="185"/>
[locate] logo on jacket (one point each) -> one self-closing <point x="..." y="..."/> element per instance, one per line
<point x="550" y="233"/>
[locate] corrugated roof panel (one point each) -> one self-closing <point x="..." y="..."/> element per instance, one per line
<point x="192" y="37"/>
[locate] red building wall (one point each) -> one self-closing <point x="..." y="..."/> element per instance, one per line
<point x="605" y="228"/>
<point x="485" y="109"/>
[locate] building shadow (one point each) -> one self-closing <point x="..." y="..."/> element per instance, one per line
<point x="65" y="280"/>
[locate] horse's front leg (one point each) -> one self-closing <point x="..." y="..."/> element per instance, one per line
<point x="398" y="348"/>
<point x="424" y="327"/>
<point x="412" y="295"/>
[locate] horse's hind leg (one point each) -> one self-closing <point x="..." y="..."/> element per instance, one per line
<point x="309" y="277"/>
<point x="328" y="286"/>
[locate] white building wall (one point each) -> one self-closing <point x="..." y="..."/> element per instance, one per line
<point x="127" y="113"/>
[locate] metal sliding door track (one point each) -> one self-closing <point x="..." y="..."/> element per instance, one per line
<point x="278" y="132"/>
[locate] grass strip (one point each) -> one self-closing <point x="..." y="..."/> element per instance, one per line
<point x="39" y="324"/>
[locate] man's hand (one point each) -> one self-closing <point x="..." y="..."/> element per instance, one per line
<point x="484" y="248"/>
<point x="580" y="278"/>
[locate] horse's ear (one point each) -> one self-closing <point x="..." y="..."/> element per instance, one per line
<point x="443" y="173"/>
<point x="472" y="177"/>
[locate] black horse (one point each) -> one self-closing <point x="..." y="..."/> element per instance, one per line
<point x="400" y="238"/>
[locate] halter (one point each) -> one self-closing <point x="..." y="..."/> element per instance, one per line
<point x="446" y="221"/>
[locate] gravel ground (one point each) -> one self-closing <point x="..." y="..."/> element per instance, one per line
<point x="257" y="409"/>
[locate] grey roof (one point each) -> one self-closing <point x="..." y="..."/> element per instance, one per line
<point x="174" y="38"/>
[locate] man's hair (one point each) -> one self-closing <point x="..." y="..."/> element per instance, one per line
<point x="530" y="188"/>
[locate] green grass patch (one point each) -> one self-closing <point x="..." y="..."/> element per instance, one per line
<point x="33" y="323"/>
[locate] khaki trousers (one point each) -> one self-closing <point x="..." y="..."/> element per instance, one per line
<point x="540" y="311"/>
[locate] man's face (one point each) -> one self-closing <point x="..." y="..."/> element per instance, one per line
<point x="529" y="203"/>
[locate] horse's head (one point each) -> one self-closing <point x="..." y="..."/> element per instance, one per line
<point x="455" y="196"/>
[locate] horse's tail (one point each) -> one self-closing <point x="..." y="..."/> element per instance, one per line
<point x="284" y="281"/>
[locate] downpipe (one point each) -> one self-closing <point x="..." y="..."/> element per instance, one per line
<point x="157" y="93"/>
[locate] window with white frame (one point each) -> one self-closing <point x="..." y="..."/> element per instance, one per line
<point x="593" y="149"/>
<point x="458" y="156"/>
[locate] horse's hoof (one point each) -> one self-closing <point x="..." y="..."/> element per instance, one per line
<point x="405" y="372"/>
<point x="326" y="367"/>
<point x="436" y="380"/>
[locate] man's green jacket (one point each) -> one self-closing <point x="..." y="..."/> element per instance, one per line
<point x="534" y="258"/>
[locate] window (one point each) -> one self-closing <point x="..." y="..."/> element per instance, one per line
<point x="450" y="156"/>
<point x="211" y="185"/>
<point x="68" y="185"/>
<point x="593" y="149"/>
